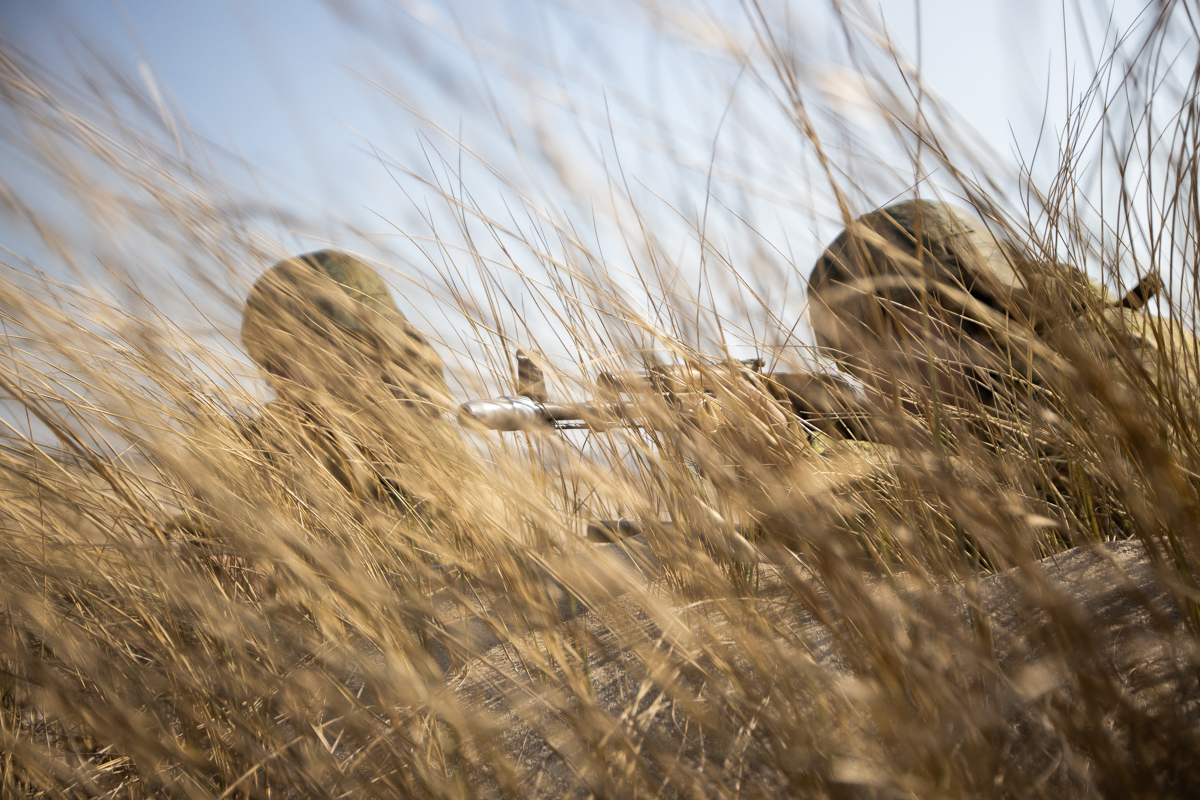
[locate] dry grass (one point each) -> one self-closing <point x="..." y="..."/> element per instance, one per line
<point x="191" y="610"/>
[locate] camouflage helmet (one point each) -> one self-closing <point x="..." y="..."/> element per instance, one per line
<point x="893" y="269"/>
<point x="327" y="311"/>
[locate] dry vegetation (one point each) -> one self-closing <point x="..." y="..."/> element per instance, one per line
<point x="187" y="611"/>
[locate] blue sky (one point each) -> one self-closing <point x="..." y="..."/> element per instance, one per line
<point x="309" y="107"/>
<point x="284" y="84"/>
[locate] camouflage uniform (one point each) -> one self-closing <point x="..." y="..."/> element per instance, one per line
<point x="360" y="394"/>
<point x="920" y="301"/>
<point x="337" y="350"/>
<point x="311" y="318"/>
<point x="921" y="282"/>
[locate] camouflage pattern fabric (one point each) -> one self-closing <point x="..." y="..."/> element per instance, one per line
<point x="924" y="276"/>
<point x="321" y="319"/>
<point x="340" y="354"/>
<point x="921" y="288"/>
<point x="1161" y="343"/>
<point x="903" y="253"/>
<point x="920" y="280"/>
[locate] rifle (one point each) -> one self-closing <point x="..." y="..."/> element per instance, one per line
<point x="823" y="403"/>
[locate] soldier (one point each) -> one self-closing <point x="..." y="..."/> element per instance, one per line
<point x="934" y="314"/>
<point x="921" y="298"/>
<point x="312" y="320"/>
<point x="359" y="396"/>
<point x="916" y="296"/>
<point x="346" y="365"/>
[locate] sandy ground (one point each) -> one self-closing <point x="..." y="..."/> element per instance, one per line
<point x="1111" y="588"/>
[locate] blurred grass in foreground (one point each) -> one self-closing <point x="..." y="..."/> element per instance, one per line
<point x="186" y="614"/>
